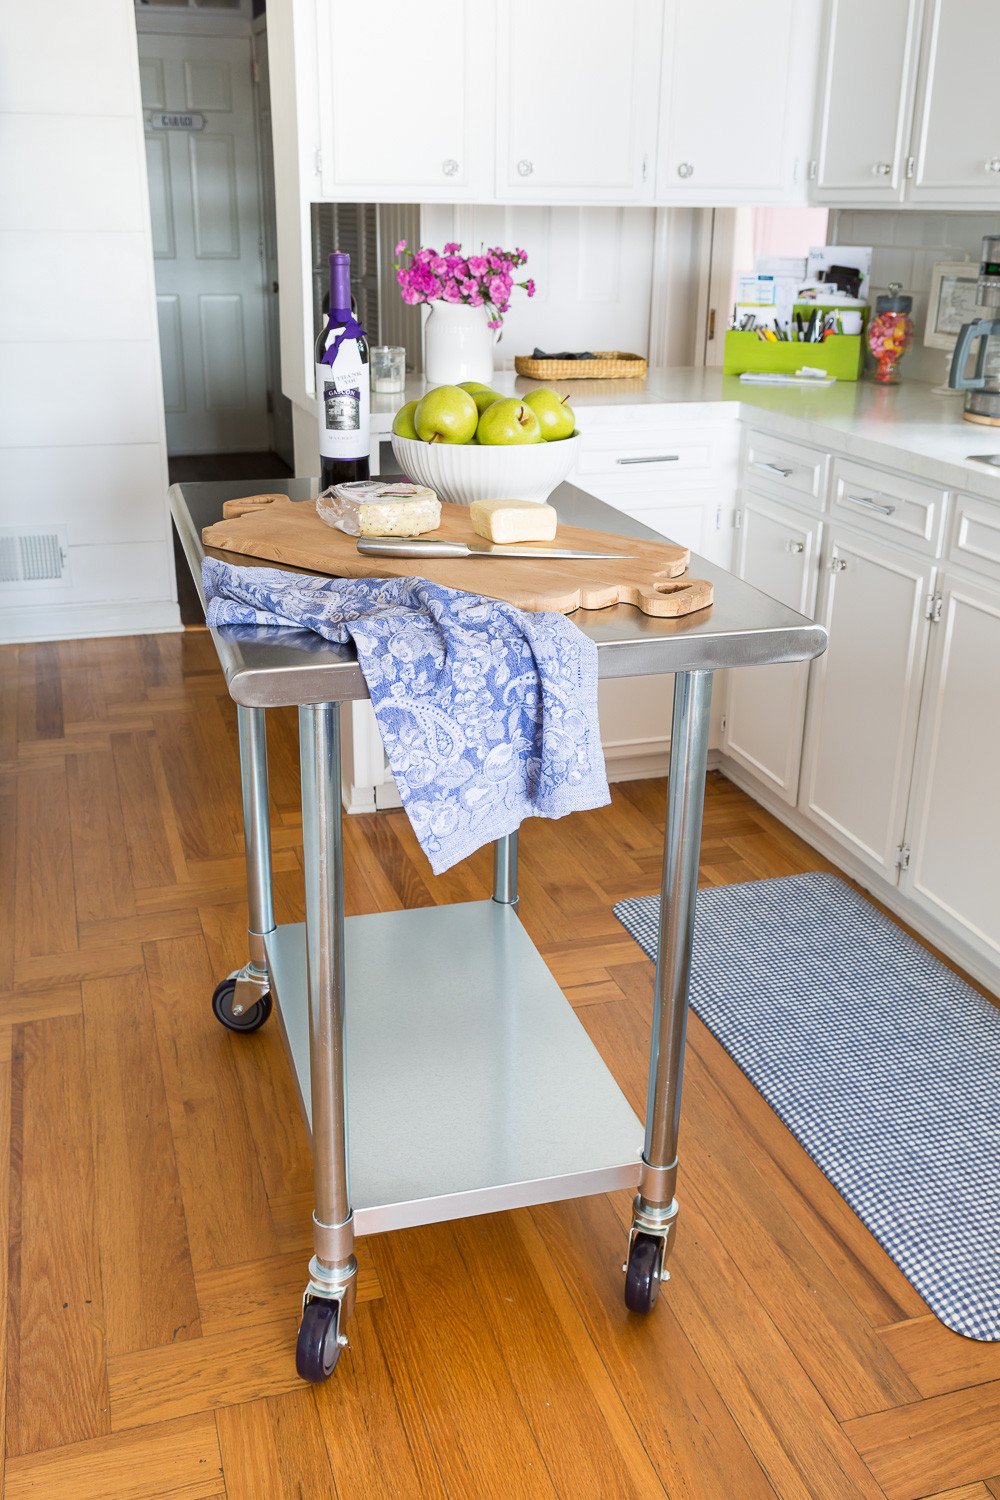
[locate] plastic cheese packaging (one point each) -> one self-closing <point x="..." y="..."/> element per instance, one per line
<point x="372" y="508"/>
<point x="513" y="520"/>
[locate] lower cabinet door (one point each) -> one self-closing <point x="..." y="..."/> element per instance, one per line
<point x="765" y="708"/>
<point x="865" y="695"/>
<point x="954" y="824"/>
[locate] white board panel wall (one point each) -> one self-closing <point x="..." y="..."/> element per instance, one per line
<point x="82" y="442"/>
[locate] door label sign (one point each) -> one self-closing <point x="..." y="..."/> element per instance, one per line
<point x="178" y="122"/>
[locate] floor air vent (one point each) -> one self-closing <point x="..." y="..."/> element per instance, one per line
<point x="28" y="557"/>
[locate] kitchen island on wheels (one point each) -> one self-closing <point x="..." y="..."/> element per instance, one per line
<point x="442" y="1072"/>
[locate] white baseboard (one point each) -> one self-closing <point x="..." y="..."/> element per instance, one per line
<point x="71" y="622"/>
<point x="979" y="965"/>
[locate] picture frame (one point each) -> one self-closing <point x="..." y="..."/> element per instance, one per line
<point x="952" y="302"/>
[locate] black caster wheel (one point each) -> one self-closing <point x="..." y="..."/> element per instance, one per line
<point x="254" y="1016"/>
<point x="642" y="1281"/>
<point x="318" y="1347"/>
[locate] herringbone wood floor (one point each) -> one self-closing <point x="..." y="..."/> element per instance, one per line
<point x="155" y="1175"/>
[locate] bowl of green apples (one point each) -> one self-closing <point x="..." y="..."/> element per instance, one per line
<point x="468" y="442"/>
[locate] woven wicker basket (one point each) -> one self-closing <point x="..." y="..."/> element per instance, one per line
<point x="607" y="364"/>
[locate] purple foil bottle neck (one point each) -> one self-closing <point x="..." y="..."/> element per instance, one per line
<point x="340" y="283"/>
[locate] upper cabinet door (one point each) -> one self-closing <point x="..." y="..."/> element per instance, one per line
<point x="576" y="100"/>
<point x="736" y="100"/>
<point x="957" y="140"/>
<point x="405" y="107"/>
<point x="866" y="87"/>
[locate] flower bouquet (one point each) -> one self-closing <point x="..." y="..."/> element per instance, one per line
<point x="485" y="280"/>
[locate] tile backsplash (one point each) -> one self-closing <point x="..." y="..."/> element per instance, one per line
<point x="906" y="245"/>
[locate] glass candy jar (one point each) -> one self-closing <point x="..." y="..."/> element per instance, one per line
<point x="890" y="333"/>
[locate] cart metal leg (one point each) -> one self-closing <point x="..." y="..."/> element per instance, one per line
<point x="252" y="980"/>
<point x="654" y="1212"/>
<point x="505" y="870"/>
<point x="330" y="1294"/>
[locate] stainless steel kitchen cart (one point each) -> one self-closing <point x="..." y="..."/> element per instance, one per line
<point x="439" y="1034"/>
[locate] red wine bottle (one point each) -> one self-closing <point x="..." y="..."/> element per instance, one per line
<point x="342" y="385"/>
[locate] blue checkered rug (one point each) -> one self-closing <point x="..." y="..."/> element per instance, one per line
<point x="883" y="1064"/>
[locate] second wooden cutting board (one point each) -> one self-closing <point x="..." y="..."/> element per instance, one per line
<point x="648" y="574"/>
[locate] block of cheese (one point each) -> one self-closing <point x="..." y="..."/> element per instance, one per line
<point x="513" y="520"/>
<point x="372" y="508"/>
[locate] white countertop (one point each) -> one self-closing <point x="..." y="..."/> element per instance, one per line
<point x="904" y="427"/>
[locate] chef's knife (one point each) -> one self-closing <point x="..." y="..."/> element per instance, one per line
<point x="415" y="546"/>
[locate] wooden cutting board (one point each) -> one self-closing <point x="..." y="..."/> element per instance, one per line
<point x="649" y="575"/>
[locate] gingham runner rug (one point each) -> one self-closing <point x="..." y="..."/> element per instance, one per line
<point x="883" y="1064"/>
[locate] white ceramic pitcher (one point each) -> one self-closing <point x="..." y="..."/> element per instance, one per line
<point x="458" y="345"/>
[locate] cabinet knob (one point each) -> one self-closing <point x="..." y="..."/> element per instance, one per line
<point x="993" y="165"/>
<point x="882" y="168"/>
<point x="838" y="565"/>
<point x="449" y="166"/>
<point x="795" y="546"/>
<point x="525" y="168"/>
<point x="685" y="169"/>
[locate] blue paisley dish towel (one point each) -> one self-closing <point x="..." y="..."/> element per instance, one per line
<point x="488" y="713"/>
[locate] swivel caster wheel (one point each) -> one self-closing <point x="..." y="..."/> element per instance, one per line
<point x="642" y="1273"/>
<point x="319" y="1342"/>
<point x="251" y="1018"/>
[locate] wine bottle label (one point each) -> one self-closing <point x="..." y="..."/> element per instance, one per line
<point x="343" y="405"/>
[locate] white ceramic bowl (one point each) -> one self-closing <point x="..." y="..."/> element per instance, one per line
<point x="463" y="472"/>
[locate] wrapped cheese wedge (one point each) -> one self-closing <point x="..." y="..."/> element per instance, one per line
<point x="370" y="507"/>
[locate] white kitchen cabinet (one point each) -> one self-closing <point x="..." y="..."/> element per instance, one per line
<point x="576" y="100"/>
<point x="907" y="110"/>
<point x="954" y="827"/>
<point x="866" y="100"/>
<point x="765" y="713"/>
<point x="736" y="100"/>
<point x="956" y="144"/>
<point x="405" y="108"/>
<point x="865" y="695"/>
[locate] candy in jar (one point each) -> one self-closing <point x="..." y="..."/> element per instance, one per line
<point x="890" y="333"/>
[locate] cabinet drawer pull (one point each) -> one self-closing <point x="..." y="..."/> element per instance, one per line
<point x="449" y="166"/>
<point x="525" y="168"/>
<point x="882" y="168"/>
<point x="993" y="165"/>
<point x="838" y="565"/>
<point x="795" y="546"/>
<point x="870" y="504"/>
<point x="685" y="169"/>
<point x="760" y="463"/>
<point x="654" y="458"/>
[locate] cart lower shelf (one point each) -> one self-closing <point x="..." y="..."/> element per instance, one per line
<point x="472" y="1086"/>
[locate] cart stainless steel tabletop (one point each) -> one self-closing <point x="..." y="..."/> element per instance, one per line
<point x="467" y="1082"/>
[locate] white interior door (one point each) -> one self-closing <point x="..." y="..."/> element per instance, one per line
<point x="200" y="147"/>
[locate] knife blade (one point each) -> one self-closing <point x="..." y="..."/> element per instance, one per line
<point x="426" y="547"/>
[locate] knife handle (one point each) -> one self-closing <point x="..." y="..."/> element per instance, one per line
<point x="410" y="546"/>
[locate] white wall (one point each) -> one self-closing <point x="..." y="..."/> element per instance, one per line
<point x="906" y="244"/>
<point x="82" y="442"/>
<point x="593" y="269"/>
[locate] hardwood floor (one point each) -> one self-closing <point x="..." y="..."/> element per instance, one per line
<point x="155" y="1175"/>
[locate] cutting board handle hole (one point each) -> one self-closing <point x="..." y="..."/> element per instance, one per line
<point x="674" y="586"/>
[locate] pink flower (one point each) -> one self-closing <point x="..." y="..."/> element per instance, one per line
<point x="456" y="266"/>
<point x="529" y="287"/>
<point x="477" y="300"/>
<point x="451" y="248"/>
<point x="493" y="323"/>
<point x="410" y="296"/>
<point x="439" y="266"/>
<point x="495" y="261"/>
<point x="498" y="289"/>
<point x="424" y="257"/>
<point x="400" y="248"/>
<point x="452" y="292"/>
<point x="478" y="265"/>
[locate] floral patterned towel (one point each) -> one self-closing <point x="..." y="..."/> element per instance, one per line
<point x="488" y="713"/>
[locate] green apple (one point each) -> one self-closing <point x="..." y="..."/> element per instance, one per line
<point x="446" y="415"/>
<point x="484" y="398"/>
<point x="402" y="422"/>
<point x="508" y="421"/>
<point x="553" y="412"/>
<point x="472" y="386"/>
